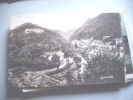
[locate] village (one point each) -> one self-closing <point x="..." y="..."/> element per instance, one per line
<point x="90" y="62"/>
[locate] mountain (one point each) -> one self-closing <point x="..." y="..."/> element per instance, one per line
<point x="105" y="24"/>
<point x="65" y="34"/>
<point x="29" y="41"/>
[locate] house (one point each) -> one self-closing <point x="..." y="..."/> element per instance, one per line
<point x="55" y="57"/>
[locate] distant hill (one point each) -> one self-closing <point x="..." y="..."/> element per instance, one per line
<point x="65" y="34"/>
<point x="105" y="24"/>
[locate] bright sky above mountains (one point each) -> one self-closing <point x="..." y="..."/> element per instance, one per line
<point x="57" y="21"/>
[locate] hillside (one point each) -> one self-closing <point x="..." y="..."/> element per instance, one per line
<point x="28" y="41"/>
<point x="105" y="24"/>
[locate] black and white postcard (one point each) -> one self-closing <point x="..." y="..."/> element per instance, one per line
<point x="65" y="49"/>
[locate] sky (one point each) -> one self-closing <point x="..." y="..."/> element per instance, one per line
<point x="57" y="21"/>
